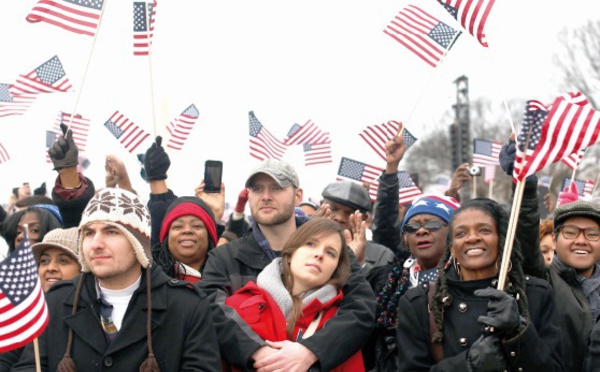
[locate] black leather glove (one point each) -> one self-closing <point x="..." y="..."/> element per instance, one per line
<point x="156" y="162"/>
<point x="64" y="152"/>
<point x="486" y="355"/>
<point x="507" y="156"/>
<point x="503" y="311"/>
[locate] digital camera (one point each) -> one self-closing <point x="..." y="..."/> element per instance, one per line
<point x="475" y="170"/>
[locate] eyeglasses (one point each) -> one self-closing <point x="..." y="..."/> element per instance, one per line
<point x="431" y="226"/>
<point x="571" y="232"/>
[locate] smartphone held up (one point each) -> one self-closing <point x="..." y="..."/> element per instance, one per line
<point x="213" y="175"/>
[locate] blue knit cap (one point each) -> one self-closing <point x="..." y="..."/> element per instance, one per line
<point x="52" y="209"/>
<point x="437" y="205"/>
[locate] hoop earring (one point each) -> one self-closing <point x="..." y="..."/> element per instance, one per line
<point x="498" y="265"/>
<point x="456" y="266"/>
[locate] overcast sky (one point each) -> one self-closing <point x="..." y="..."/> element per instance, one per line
<point x="328" y="61"/>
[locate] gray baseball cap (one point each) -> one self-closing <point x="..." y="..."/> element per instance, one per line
<point x="282" y="172"/>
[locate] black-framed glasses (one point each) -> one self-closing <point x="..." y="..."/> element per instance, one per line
<point x="571" y="232"/>
<point x="433" y="225"/>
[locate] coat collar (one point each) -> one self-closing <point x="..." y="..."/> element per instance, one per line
<point x="250" y="253"/>
<point x="134" y="323"/>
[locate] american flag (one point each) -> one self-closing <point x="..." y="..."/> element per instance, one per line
<point x="584" y="188"/>
<point x="11" y="104"/>
<point x="307" y="133"/>
<point x="490" y="173"/>
<point x="141" y="46"/>
<point x="4" y="157"/>
<point x="23" y="310"/>
<point x="570" y="125"/>
<point x="472" y="15"/>
<point x="408" y="190"/>
<point x="572" y="160"/>
<point x="421" y="33"/>
<point x="376" y="136"/>
<point x="78" y="16"/>
<point x="317" y="153"/>
<point x="486" y="152"/>
<point x="263" y="145"/>
<point x="180" y="128"/>
<point x="49" y="77"/>
<point x="529" y="137"/>
<point x="78" y="124"/>
<point x="126" y="131"/>
<point x="353" y="170"/>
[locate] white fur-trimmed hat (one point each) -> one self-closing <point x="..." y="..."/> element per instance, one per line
<point x="127" y="212"/>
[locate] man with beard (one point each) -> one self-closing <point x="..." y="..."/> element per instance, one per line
<point x="273" y="194"/>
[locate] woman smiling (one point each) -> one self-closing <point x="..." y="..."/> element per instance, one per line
<point x="461" y="322"/>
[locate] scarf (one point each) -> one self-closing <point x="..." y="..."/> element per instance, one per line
<point x="270" y="280"/>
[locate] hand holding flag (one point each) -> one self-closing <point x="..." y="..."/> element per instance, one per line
<point x="23" y="310"/>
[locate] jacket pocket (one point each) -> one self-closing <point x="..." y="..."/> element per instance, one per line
<point x="252" y="309"/>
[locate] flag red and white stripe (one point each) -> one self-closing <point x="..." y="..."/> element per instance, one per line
<point x="4" y="157"/>
<point x="471" y="14"/>
<point x="49" y="77"/>
<point x="570" y="125"/>
<point x="377" y="136"/>
<point x="80" y="17"/>
<point x="421" y="33"/>
<point x="317" y="153"/>
<point x="263" y="145"/>
<point x="572" y="160"/>
<point x="142" y="37"/>
<point x="490" y="173"/>
<point x="129" y="134"/>
<point x="13" y="105"/>
<point x="486" y="152"/>
<point x="307" y="133"/>
<point x="23" y="309"/>
<point x="180" y="128"/>
<point x="359" y="172"/>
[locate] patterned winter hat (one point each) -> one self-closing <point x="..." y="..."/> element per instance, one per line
<point x="437" y="205"/>
<point x="127" y="212"/>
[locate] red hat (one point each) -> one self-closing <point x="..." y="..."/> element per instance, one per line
<point x="189" y="206"/>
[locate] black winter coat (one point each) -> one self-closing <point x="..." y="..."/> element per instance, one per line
<point x="537" y="348"/>
<point x="229" y="267"/>
<point x="183" y="335"/>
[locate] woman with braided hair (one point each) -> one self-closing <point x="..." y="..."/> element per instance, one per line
<point x="461" y="322"/>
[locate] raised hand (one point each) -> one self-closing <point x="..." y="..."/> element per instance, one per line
<point x="64" y="152"/>
<point x="156" y="161"/>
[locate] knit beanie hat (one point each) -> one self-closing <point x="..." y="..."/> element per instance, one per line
<point x="189" y="206"/>
<point x="52" y="209"/>
<point x="580" y="207"/>
<point x="438" y="205"/>
<point x="125" y="211"/>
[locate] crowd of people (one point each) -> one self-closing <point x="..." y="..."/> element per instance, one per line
<point x="345" y="285"/>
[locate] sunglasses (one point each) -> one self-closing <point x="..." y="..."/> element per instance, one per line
<point x="431" y="226"/>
